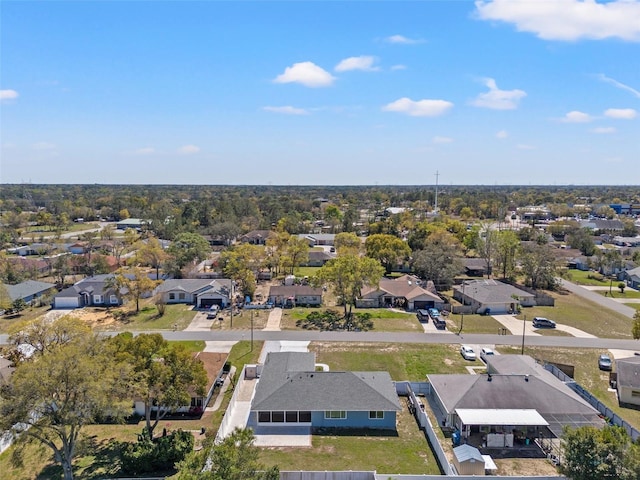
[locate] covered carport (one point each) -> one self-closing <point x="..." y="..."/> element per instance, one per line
<point x="499" y="428"/>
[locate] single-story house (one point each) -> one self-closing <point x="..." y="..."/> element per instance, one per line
<point x="318" y="258"/>
<point x="257" y="237"/>
<point x="492" y="296"/>
<point x="35" y="266"/>
<point x="579" y="263"/>
<point x="515" y="402"/>
<point x="632" y="278"/>
<point x="318" y="239"/>
<point x="133" y="223"/>
<point x="213" y="363"/>
<point x="203" y="293"/>
<point x="90" y="291"/>
<point x="403" y="292"/>
<point x="290" y="392"/>
<point x="292" y="295"/>
<point x="30" y="290"/>
<point x="475" y="267"/>
<point x="628" y="380"/>
<point x="602" y="224"/>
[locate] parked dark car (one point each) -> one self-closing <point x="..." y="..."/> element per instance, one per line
<point x="423" y="315"/>
<point x="541" y="322"/>
<point x="604" y="362"/>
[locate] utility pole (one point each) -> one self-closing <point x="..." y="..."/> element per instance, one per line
<point x="231" y="299"/>
<point x="252" y="329"/>
<point x="464" y="302"/>
<point x="435" y="208"/>
<point x="524" y="324"/>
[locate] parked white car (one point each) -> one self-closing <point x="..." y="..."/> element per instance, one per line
<point x="486" y="352"/>
<point x="467" y="353"/>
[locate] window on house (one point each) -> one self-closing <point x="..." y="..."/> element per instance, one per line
<point x="635" y="393"/>
<point x="291" y="417"/>
<point x="304" y="417"/>
<point x="181" y="296"/>
<point x="113" y="300"/>
<point x="335" y="414"/>
<point x="277" y="417"/>
<point x="172" y="296"/>
<point x="376" y="415"/>
<point x="97" y="299"/>
<point x="264" y="417"/>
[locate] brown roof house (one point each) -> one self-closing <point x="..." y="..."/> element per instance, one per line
<point x="403" y="292"/>
<point x="295" y="295"/>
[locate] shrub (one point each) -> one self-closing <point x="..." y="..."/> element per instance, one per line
<point x="160" y="454"/>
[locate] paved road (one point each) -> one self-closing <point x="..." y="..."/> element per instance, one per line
<point x="595" y="297"/>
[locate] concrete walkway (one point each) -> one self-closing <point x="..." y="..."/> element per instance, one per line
<point x="514" y="325"/>
<point x="273" y="323"/>
<point x="595" y="297"/>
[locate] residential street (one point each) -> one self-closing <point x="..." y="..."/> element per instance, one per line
<point x="595" y="297"/>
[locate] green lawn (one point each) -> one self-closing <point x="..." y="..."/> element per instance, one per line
<point x="384" y="320"/>
<point x="633" y="305"/>
<point x="473" y="323"/>
<point x="402" y="361"/>
<point x="305" y="271"/>
<point x="190" y="345"/>
<point x="581" y="277"/>
<point x="405" y="453"/>
<point x="30" y="313"/>
<point x="580" y="313"/>
<point x="176" y="316"/>
<point x="615" y="293"/>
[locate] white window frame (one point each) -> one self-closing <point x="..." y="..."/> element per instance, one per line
<point x="335" y="415"/>
<point x="113" y="300"/>
<point x="97" y="299"/>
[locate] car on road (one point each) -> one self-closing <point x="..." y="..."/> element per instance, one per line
<point x="541" y="322"/>
<point x="604" y="362"/>
<point x="486" y="352"/>
<point x="467" y="353"/>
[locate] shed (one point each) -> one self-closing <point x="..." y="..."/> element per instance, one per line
<point x="468" y="460"/>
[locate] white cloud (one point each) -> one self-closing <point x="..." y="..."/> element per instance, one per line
<point x="363" y="62"/>
<point x="577" y="117"/>
<point x="621" y="113"/>
<point x="442" y="140"/>
<point x="145" y="151"/>
<point x="44" y="146"/>
<point x="398" y="67"/>
<point x="523" y="146"/>
<point x="401" y="39"/>
<point x="567" y="20"/>
<point x="287" y="110"/>
<point x="502" y="134"/>
<point x="619" y="85"/>
<point x="497" y="99"/>
<point x="603" y="130"/>
<point x="306" y="73"/>
<point x="188" y="150"/>
<point x="419" y="108"/>
<point x="8" y="94"/>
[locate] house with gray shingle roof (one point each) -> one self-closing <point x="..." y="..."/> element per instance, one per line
<point x="404" y="292"/>
<point x="29" y="291"/>
<point x="290" y="392"/>
<point x="202" y="293"/>
<point x="633" y="278"/>
<point x="628" y="380"/>
<point x="516" y="396"/>
<point x="492" y="296"/>
<point x="90" y="291"/>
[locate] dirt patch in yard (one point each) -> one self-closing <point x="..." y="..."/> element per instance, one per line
<point x="96" y="317"/>
<point x="528" y="467"/>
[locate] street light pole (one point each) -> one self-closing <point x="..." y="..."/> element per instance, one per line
<point x="231" y="301"/>
<point x="252" y="330"/>
<point x="462" y="311"/>
<point x="524" y="323"/>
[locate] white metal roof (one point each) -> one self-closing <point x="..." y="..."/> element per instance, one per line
<point x="495" y="416"/>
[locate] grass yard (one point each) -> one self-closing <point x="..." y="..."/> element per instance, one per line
<point x="473" y="323"/>
<point x="305" y="271"/>
<point x="384" y="320"/>
<point x="405" y="453"/>
<point x="580" y="277"/>
<point x="402" y="361"/>
<point x="615" y="293"/>
<point x="633" y="305"/>
<point x="177" y="316"/>
<point x="191" y="345"/>
<point x="28" y="314"/>
<point x="580" y="313"/>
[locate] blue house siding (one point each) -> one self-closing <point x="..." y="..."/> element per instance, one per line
<point x="354" y="420"/>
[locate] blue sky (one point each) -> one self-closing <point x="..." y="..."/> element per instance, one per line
<point x="320" y="92"/>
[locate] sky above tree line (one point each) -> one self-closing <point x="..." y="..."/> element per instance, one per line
<point x="320" y="92"/>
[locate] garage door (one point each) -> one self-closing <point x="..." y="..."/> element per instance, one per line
<point x="207" y="302"/>
<point x="66" y="302"/>
<point x="421" y="305"/>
